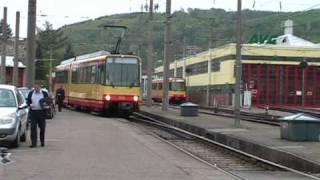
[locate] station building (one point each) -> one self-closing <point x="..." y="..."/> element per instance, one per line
<point x="272" y="74"/>
<point x="9" y="71"/>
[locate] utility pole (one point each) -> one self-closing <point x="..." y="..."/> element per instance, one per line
<point x="210" y="62"/>
<point x="238" y="68"/>
<point x="303" y="88"/>
<point x="50" y="72"/>
<point x="4" y="47"/>
<point x="167" y="57"/>
<point x="150" y="55"/>
<point x="303" y="65"/>
<point x="16" y="51"/>
<point x="31" y="44"/>
<point x="184" y="58"/>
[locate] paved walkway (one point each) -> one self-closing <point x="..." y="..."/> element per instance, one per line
<point x="83" y="146"/>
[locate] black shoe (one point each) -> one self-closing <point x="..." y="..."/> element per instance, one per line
<point x="42" y="144"/>
<point x="32" y="146"/>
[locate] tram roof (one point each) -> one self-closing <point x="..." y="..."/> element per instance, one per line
<point x="88" y="57"/>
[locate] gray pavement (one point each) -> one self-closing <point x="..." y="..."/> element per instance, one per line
<point x="85" y="146"/>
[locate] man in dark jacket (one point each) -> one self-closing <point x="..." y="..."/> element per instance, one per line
<point x="60" y="97"/>
<point x="36" y="99"/>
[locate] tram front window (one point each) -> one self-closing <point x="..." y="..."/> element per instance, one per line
<point x="177" y="86"/>
<point x="122" y="72"/>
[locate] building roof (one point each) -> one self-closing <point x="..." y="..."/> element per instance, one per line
<point x="291" y="40"/>
<point x="9" y="62"/>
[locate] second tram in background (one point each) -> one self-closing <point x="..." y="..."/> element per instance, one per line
<point x="101" y="82"/>
<point x="177" y="90"/>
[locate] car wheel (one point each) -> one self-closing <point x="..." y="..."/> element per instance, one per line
<point x="16" y="142"/>
<point x="23" y="137"/>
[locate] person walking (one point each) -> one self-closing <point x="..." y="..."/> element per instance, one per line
<point x="36" y="99"/>
<point x="60" y="97"/>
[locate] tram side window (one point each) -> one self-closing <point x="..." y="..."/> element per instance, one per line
<point x="62" y="77"/>
<point x="80" y="75"/>
<point x="75" y="74"/>
<point x="154" y="86"/>
<point x="93" y="75"/>
<point x="101" y="74"/>
<point x="88" y="75"/>
<point x="160" y="86"/>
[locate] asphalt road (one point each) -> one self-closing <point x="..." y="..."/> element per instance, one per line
<point x="85" y="147"/>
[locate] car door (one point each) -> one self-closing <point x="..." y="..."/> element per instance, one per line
<point x="22" y="112"/>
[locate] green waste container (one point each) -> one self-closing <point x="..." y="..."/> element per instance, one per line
<point x="300" y="127"/>
<point x="189" y="109"/>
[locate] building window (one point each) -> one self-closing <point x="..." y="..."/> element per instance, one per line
<point x="179" y="72"/>
<point x="171" y="73"/>
<point x="215" y="65"/>
<point x="198" y="68"/>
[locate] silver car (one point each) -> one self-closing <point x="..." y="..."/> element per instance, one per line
<point x="13" y="115"/>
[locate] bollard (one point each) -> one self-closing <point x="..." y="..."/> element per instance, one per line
<point x="216" y="108"/>
<point x="267" y="110"/>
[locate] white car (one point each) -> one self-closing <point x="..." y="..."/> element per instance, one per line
<point x="13" y="115"/>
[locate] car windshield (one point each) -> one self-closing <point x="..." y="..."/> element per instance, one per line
<point x="177" y="86"/>
<point x="7" y="98"/>
<point x="122" y="72"/>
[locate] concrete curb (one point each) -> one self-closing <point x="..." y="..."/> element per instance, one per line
<point x="262" y="151"/>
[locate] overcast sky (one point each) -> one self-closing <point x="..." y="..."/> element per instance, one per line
<point x="61" y="12"/>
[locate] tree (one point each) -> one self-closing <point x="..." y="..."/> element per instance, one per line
<point x="9" y="31"/>
<point x="53" y="44"/>
<point x="69" y="53"/>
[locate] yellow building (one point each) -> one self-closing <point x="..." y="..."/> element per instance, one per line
<point x="271" y="73"/>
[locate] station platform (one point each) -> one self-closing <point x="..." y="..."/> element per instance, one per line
<point x="257" y="139"/>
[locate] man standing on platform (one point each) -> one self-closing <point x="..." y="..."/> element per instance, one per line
<point x="60" y="97"/>
<point x="36" y="99"/>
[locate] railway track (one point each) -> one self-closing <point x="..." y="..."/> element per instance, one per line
<point x="295" y="110"/>
<point x="219" y="156"/>
<point x="246" y="116"/>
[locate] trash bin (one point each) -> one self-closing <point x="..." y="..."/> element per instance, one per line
<point x="300" y="127"/>
<point x="189" y="109"/>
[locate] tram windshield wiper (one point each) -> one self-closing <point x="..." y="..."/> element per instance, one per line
<point x="111" y="83"/>
<point x="131" y="85"/>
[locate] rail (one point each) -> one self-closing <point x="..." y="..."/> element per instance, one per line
<point x="261" y="118"/>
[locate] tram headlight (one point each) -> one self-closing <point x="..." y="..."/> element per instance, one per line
<point x="135" y="98"/>
<point x="107" y="97"/>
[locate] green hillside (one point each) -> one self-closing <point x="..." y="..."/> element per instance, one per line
<point x="192" y="27"/>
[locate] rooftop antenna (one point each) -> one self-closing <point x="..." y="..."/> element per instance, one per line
<point x="124" y="29"/>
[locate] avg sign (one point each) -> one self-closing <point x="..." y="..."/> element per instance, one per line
<point x="263" y="39"/>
